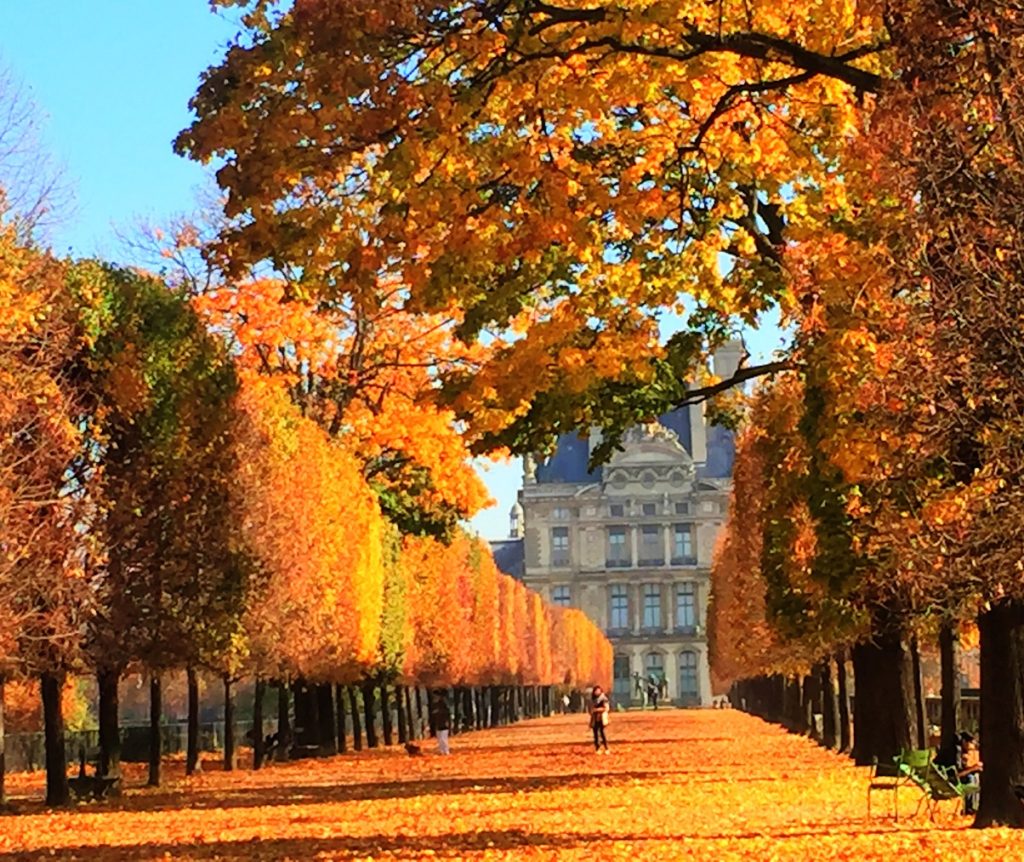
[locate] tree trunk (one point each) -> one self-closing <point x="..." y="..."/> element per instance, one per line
<point x="192" y="741"/>
<point x="385" y="714"/>
<point x="1002" y="714"/>
<point x="57" y="792"/>
<point x="339" y="711"/>
<point x="403" y="728"/>
<point x="156" y="708"/>
<point x="257" y="723"/>
<point x="229" y="725"/>
<point x="921" y="709"/>
<point x="325" y="720"/>
<point x="413" y="734"/>
<point x="456" y="705"/>
<point x="884" y="716"/>
<point x="370" y="713"/>
<point x="109" y="722"/>
<point x="949" y="659"/>
<point x="357" y="731"/>
<point x="829" y="706"/>
<point x="843" y="696"/>
<point x="3" y="765"/>
<point x="430" y="712"/>
<point x="284" y="722"/>
<point x="495" y="706"/>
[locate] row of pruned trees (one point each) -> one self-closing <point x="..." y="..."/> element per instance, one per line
<point x="165" y="507"/>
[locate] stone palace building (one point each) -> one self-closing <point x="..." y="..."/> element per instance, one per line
<point x="630" y="543"/>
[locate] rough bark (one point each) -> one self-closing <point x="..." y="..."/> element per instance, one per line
<point x="257" y="723"/>
<point x="3" y="765"/>
<point x="109" y="722"/>
<point x="57" y="792"/>
<point x="192" y="741"/>
<point x="921" y="711"/>
<point x="843" y="696"/>
<point x="370" y="713"/>
<point x="326" y="723"/>
<point x="229" y="725"/>
<point x="357" y="731"/>
<point x="156" y="708"/>
<point x="829" y="706"/>
<point x="339" y="712"/>
<point x="284" y="722"/>
<point x="413" y="733"/>
<point x="885" y="720"/>
<point x="385" y="714"/>
<point x="1002" y="714"/>
<point x="949" y="660"/>
<point x="403" y="728"/>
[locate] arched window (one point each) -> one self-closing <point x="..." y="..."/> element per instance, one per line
<point x="689" y="683"/>
<point x="654" y="665"/>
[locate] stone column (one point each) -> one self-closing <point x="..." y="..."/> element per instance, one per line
<point x="634" y="545"/>
<point x="637" y="606"/>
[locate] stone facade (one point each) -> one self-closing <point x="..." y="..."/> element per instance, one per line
<point x="630" y="544"/>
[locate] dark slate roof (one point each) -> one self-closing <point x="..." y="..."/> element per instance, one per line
<point x="679" y="421"/>
<point x="721" y="453"/>
<point x="569" y="463"/>
<point x="510" y="555"/>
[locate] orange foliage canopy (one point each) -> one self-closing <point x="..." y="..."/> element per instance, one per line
<point x="317" y="533"/>
<point x="367" y="374"/>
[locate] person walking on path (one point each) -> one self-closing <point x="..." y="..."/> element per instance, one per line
<point x="599" y="709"/>
<point x="441" y="717"/>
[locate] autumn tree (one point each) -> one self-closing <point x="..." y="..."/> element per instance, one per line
<point x="566" y="175"/>
<point x="42" y="594"/>
<point x="167" y="574"/>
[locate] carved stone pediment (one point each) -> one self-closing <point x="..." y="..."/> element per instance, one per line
<point x="651" y="455"/>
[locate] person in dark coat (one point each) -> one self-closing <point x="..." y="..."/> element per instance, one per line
<point x="599" y="710"/>
<point x="441" y="718"/>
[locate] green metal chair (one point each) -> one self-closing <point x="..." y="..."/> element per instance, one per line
<point x="938" y="786"/>
<point x="907" y="770"/>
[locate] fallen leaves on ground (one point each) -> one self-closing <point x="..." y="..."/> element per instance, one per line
<point x="704" y="785"/>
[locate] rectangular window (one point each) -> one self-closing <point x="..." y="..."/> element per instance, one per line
<point x="560" y="514"/>
<point x="617" y="510"/>
<point x="650" y="508"/>
<point x="686" y="607"/>
<point x="618" y="550"/>
<point x="652" y="552"/>
<point x="618" y="607"/>
<point x="561" y="596"/>
<point x="559" y="546"/>
<point x="682" y="545"/>
<point x="682" y="508"/>
<point x="652" y="606"/>
<point x="622" y="685"/>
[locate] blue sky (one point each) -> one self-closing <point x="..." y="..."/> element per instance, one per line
<point x="113" y="78"/>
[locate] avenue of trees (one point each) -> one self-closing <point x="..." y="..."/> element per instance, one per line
<point x="565" y="173"/>
<point x="165" y="506"/>
<point x="459" y="227"/>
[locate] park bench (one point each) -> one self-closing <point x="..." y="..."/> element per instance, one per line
<point x="906" y="770"/>
<point x="95" y="786"/>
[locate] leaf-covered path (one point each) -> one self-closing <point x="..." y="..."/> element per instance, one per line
<point x="704" y="785"/>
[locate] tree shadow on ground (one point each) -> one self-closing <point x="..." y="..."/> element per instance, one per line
<point x="451" y="846"/>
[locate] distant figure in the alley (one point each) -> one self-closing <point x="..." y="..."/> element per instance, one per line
<point x="441" y="717"/>
<point x="599" y="709"/>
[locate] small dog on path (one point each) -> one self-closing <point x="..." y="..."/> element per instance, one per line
<point x="413" y="750"/>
